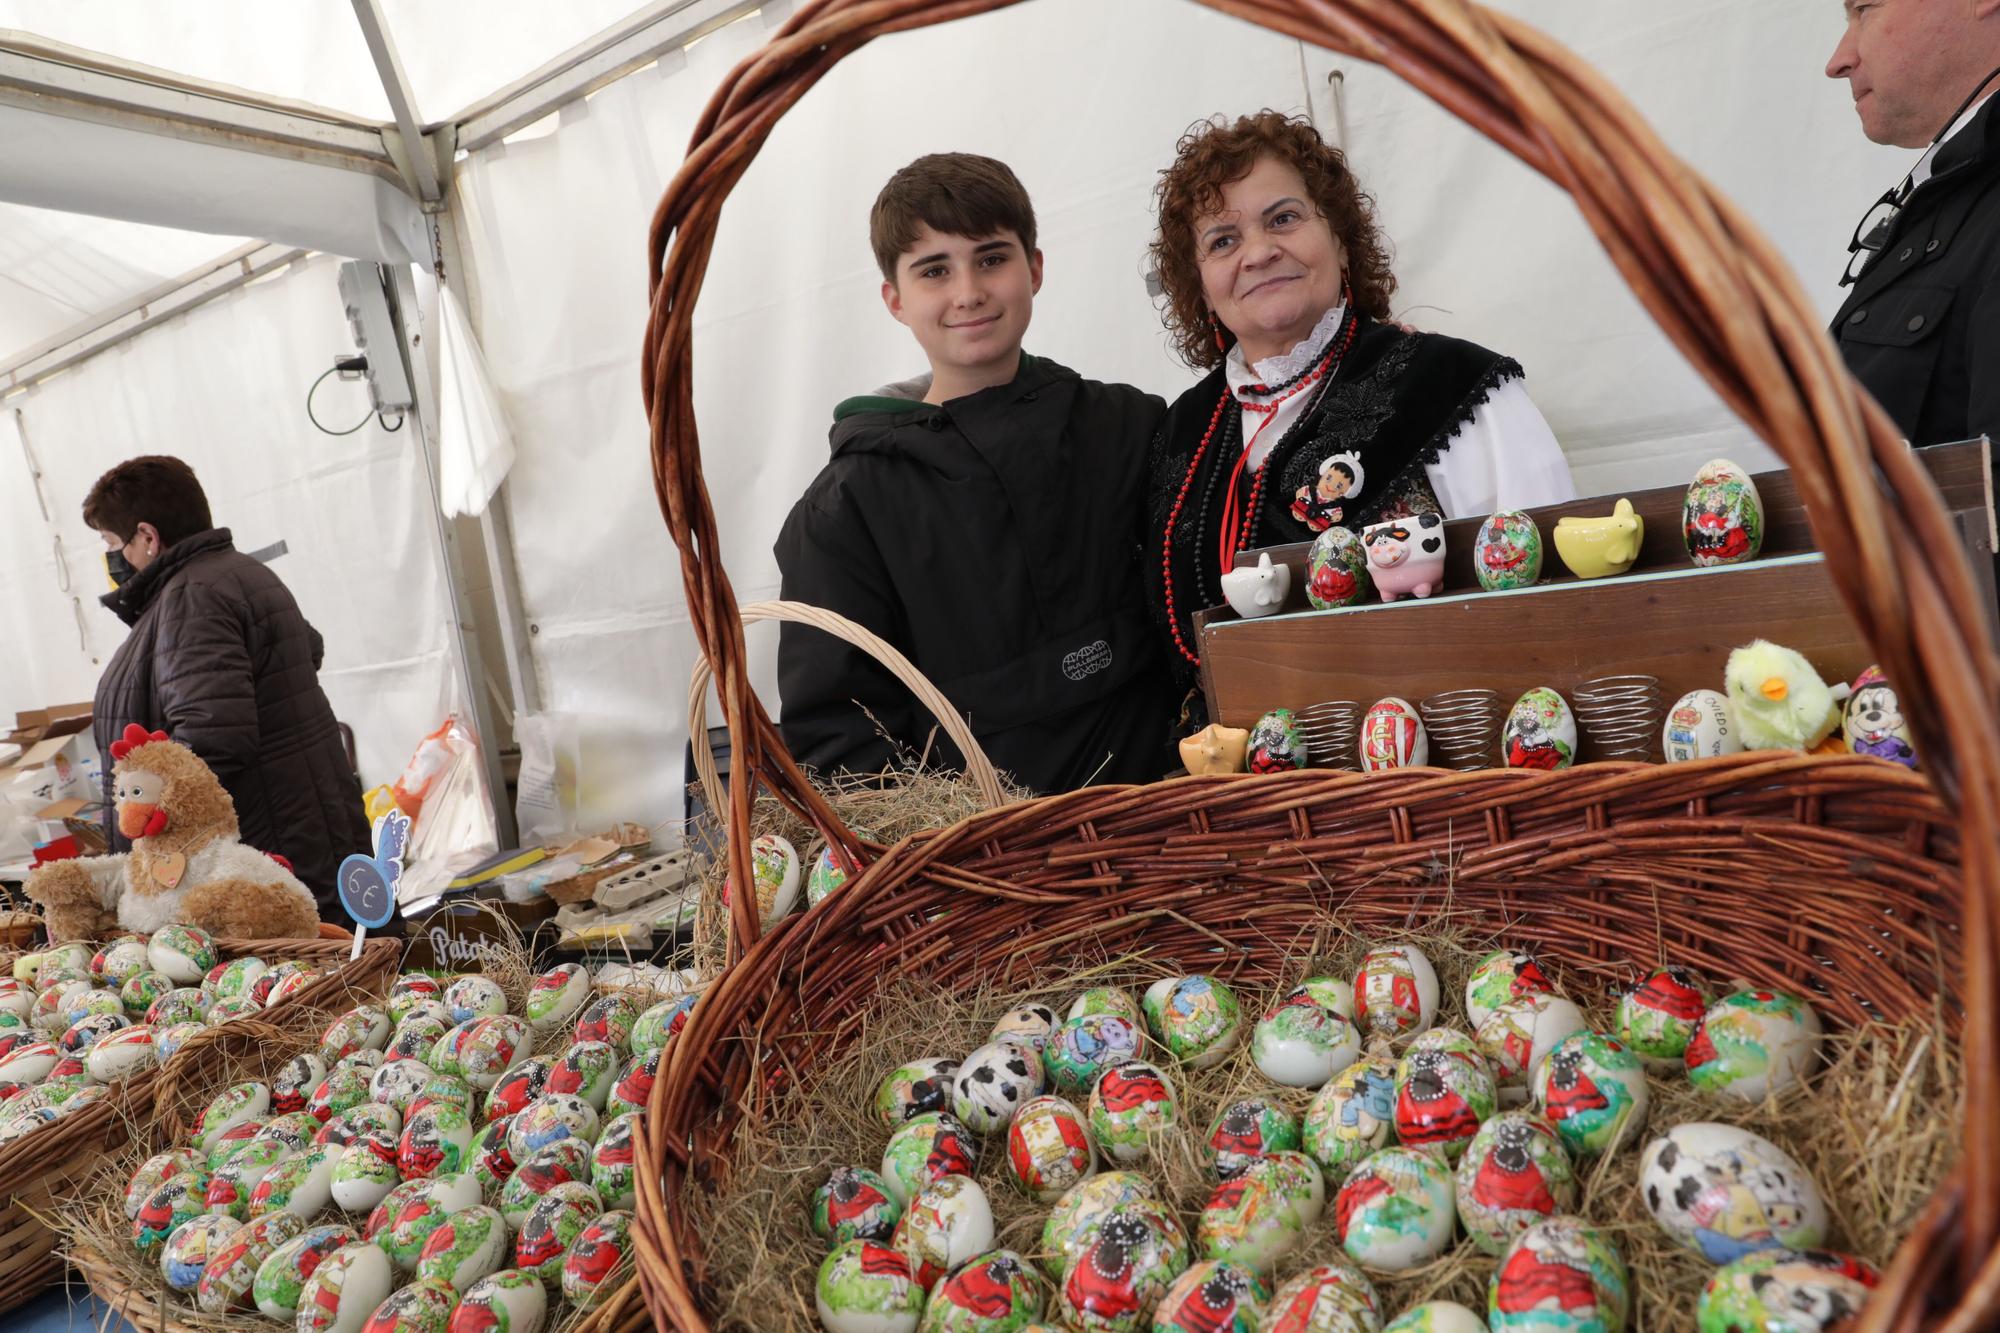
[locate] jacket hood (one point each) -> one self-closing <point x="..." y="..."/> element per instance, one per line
<point x="872" y="422"/>
<point x="129" y="600"/>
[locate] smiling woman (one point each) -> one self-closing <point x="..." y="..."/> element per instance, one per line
<point x="1317" y="410"/>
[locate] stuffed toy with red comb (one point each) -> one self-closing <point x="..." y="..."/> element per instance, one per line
<point x="187" y="864"/>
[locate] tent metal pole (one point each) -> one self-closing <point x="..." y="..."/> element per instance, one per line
<point x="402" y="99"/>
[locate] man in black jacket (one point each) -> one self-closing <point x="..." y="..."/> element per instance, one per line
<point x="221" y="659"/>
<point x="984" y="520"/>
<point x="1921" y="325"/>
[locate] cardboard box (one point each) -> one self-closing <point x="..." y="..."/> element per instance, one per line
<point x="57" y="743"/>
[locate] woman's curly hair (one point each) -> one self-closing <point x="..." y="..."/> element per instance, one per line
<point x="1211" y="155"/>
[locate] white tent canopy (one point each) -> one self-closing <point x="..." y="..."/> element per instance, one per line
<point x="544" y="135"/>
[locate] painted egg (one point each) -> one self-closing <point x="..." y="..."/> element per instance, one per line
<point x="551" y="1227"/>
<point x="1785" y="1291"/>
<point x="1030" y="1025"/>
<point x="1592" y="1088"/>
<point x="1197" y="1019"/>
<point x="854" y="1203"/>
<point x="1335" y="569"/>
<point x="1131" y="1107"/>
<point x="995" y="1290"/>
<point x="29" y="1061"/>
<point x="1872" y="720"/>
<point x="365" y="1172"/>
<point x="774" y="870"/>
<point x="471" y="1244"/>
<point x="1515" y="1173"/>
<point x="416" y="1209"/>
<point x="1518" y="1035"/>
<point x="588" y="1069"/>
<point x="1296" y="1179"/>
<point x="436" y="1141"/>
<point x="46" y="1015"/>
<point x="445" y="1054"/>
<point x="863" y="1287"/>
<point x="635" y="1085"/>
<point x="1396" y="1210"/>
<point x="235" y="979"/>
<point x="228" y="1011"/>
<point x="85" y="1002"/>
<point x="1658" y="1017"/>
<point x="1540" y="731"/>
<point x="415" y="1037"/>
<point x="410" y="990"/>
<point x="1301" y="1043"/>
<point x="1754" y="1043"/>
<point x="233" y="1141"/>
<point x="492" y="1164"/>
<point x="518" y="1086"/>
<point x="281" y="1279"/>
<point x="119" y="961"/>
<point x="1724" y="1192"/>
<point x="119" y="1053"/>
<point x="491" y="1049"/>
<point x="1443" y="1096"/>
<point x="397" y="1082"/>
<point x="1246" y="1130"/>
<point x="289" y="984"/>
<point x="992" y="1083"/>
<point x="1121" y="1275"/>
<point x="301" y="1185"/>
<point x="445" y="1088"/>
<point x="1722" y="518"/>
<point x="915" y="1089"/>
<point x="1393" y="736"/>
<point x="599" y="1261"/>
<point x="1049" y="1149"/>
<point x="474" y="996"/>
<point x="345" y="1290"/>
<point x="424" y="1306"/>
<point x="168" y="1041"/>
<point x="192" y="1245"/>
<point x="139" y="994"/>
<point x="612" y="1172"/>
<point x="232" y="1183"/>
<point x="1087" y="1045"/>
<point x="1277" y="743"/>
<point x="564" y="1162"/>
<point x="556" y="996"/>
<point x="183" y="953"/>
<point x="25" y="1117"/>
<point x="1214" y="1295"/>
<point x="226" y="1283"/>
<point x="430" y="1010"/>
<point x="1562" y="1274"/>
<point x="1106" y="1000"/>
<point x="232" y="1107"/>
<point x="947" y="1223"/>
<point x="153" y="1173"/>
<point x="294" y="1129"/>
<point x="1330" y="1298"/>
<point x="1436" y="1317"/>
<point x="1075" y="1219"/>
<point x="550" y="1117"/>
<point x="609" y="1019"/>
<point x="1507" y="552"/>
<point x="292" y="1086"/>
<point x="1395" y="992"/>
<point x="657" y="1026"/>
<point x="344" y="1088"/>
<point x="509" y="1301"/>
<point x="1700" y="725"/>
<point x="363" y="1027"/>
<point x="1501" y="976"/>
<point x="1247" y="1222"/>
<point x="183" y="1004"/>
<point x="349" y="1125"/>
<point x="176" y="1199"/>
<point x="383" y="1214"/>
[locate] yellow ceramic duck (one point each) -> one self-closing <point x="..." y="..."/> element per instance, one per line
<point x="1779" y="701"/>
<point x="1596" y="547"/>
<point x="1215" y="749"/>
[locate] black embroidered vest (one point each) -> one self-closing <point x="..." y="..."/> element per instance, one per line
<point x="1358" y="456"/>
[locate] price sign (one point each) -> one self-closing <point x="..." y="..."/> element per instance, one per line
<point x="367" y="884"/>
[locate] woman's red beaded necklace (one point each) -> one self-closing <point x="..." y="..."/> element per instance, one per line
<point x="1239" y="521"/>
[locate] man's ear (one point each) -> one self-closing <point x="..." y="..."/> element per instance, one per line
<point x="149" y="531"/>
<point x="1035" y="261"/>
<point x="892" y="300"/>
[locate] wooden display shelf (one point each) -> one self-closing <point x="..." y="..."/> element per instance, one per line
<point x="1665" y="618"/>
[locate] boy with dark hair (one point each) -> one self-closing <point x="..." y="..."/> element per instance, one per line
<point x="984" y="519"/>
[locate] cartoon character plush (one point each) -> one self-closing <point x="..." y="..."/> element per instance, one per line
<point x="1779" y="701"/>
<point x="187" y="864"/>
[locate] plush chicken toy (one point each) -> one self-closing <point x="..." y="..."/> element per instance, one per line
<point x="1779" y="701"/>
<point x="187" y="864"/>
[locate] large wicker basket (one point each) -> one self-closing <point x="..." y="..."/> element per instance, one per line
<point x="45" y="1167"/>
<point x="1874" y="888"/>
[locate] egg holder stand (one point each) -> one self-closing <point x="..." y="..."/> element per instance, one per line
<point x="148" y="1304"/>
<point x="1777" y="867"/>
<point x="42" y="1170"/>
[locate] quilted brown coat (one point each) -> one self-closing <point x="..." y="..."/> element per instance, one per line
<point x="222" y="660"/>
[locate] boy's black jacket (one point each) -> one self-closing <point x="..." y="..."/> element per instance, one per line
<point x="994" y="540"/>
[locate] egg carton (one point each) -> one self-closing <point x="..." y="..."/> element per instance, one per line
<point x="628" y="908"/>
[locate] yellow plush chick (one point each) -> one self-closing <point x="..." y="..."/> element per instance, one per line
<point x="1779" y="701"/>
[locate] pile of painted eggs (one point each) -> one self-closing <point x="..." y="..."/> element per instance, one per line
<point x="776" y="871"/>
<point x="1391" y="1131"/>
<point x="420" y="1169"/>
<point x="74" y="1021"/>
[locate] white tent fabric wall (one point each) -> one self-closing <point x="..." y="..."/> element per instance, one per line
<point x="224" y="388"/>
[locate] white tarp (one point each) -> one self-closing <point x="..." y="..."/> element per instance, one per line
<point x="224" y="388"/>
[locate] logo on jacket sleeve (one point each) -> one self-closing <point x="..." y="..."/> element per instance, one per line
<point x="1087" y="660"/>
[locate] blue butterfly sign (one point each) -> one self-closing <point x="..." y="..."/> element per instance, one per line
<point x="367" y="884"/>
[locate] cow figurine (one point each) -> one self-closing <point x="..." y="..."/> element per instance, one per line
<point x="1406" y="555"/>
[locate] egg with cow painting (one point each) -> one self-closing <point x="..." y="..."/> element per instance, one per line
<point x="913" y="1089"/>
<point x="598" y="1261"/>
<point x="345" y="1290"/>
<point x="509" y="1301"/>
<point x="474" y="996"/>
<point x="1754" y="1043"/>
<point x="992" y="1083"/>
<point x="1724" y="1192"/>
<point x="193" y="1243"/>
<point x="862" y="1287"/>
<point x="1030" y="1025"/>
<point x="1785" y="1291"/>
<point x="281" y="1279"/>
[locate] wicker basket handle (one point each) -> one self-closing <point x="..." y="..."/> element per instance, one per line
<point x="977" y="766"/>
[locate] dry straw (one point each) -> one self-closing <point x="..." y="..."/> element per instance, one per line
<point x="1877" y="1130"/>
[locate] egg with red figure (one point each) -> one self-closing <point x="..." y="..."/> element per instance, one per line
<point x="1119" y="1279"/>
<point x="1441" y="1101"/>
<point x="597" y="1260"/>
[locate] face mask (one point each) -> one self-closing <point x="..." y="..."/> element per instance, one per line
<point x="118" y="567"/>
